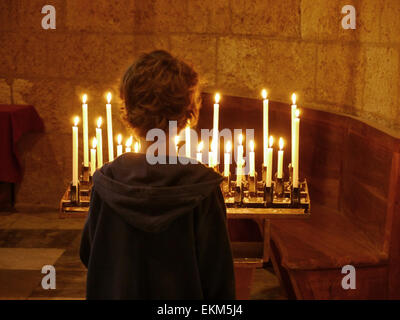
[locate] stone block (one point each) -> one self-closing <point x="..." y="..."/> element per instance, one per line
<point x="160" y="16"/>
<point x="5" y="93"/>
<point x="200" y="52"/>
<point x="208" y="16"/>
<point x="8" y="51"/>
<point x="339" y="70"/>
<point x="381" y="89"/>
<point x="324" y="20"/>
<point x="150" y="42"/>
<point x="101" y="15"/>
<point x="266" y="17"/>
<point x="241" y="66"/>
<point x="21" y="91"/>
<point x="8" y="15"/>
<point x="290" y="67"/>
<point x="390" y="22"/>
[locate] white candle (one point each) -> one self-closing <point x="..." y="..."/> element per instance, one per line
<point x="136" y="147"/>
<point x="93" y="157"/>
<point x="119" y="145"/>
<point x="227" y="159"/>
<point x="128" y="144"/>
<point x="75" y="164"/>
<point x="99" y="138"/>
<point x="187" y="142"/>
<point x="293" y="111"/>
<point x="264" y="94"/>
<point x="109" y="128"/>
<point x="280" y="159"/>
<point x="199" y="155"/>
<point x="269" y="162"/>
<point x="215" y="128"/>
<point x="296" y="126"/>
<point x="252" y="159"/>
<point x="85" y="131"/>
<point x="240" y="161"/>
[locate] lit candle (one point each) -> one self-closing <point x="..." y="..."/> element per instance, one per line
<point x="227" y="159"/>
<point x="293" y="112"/>
<point x="252" y="159"/>
<point x="75" y="164"/>
<point x="239" y="161"/>
<point x="264" y="94"/>
<point x="211" y="154"/>
<point x="119" y="145"/>
<point x="280" y="159"/>
<point x="93" y="157"/>
<point x="99" y="138"/>
<point x="128" y="144"/>
<point x="187" y="142"/>
<point x="215" y="128"/>
<point x="136" y="147"/>
<point x="109" y="128"/>
<point x="296" y="127"/>
<point x="85" y="131"/>
<point x="269" y="162"/>
<point x="176" y="140"/>
<point x="199" y="154"/>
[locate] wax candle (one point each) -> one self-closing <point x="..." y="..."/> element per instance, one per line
<point x="240" y="162"/>
<point x="136" y="147"/>
<point x="269" y="162"/>
<point x="128" y="144"/>
<point x="187" y="142"/>
<point x="252" y="159"/>
<point x="293" y="111"/>
<point x="215" y="128"/>
<point x="93" y="157"/>
<point x="211" y="155"/>
<point x="296" y="127"/>
<point x="85" y="131"/>
<point x="227" y="159"/>
<point x="280" y="159"/>
<point x="119" y="145"/>
<point x="264" y="94"/>
<point x="109" y="128"/>
<point x="199" y="154"/>
<point x="75" y="164"/>
<point x="99" y="137"/>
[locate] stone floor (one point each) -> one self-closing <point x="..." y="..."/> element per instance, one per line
<point x="29" y="241"/>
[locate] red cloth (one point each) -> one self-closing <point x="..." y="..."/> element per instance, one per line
<point x="15" y="121"/>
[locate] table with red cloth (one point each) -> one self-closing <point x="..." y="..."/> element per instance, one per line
<point x="15" y="121"/>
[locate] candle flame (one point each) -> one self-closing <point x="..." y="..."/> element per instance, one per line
<point x="280" y="143"/>
<point x="297" y="113"/>
<point x="200" y="146"/>
<point x="119" y="138"/>
<point x="271" y="141"/>
<point x="99" y="122"/>
<point x="217" y="97"/>
<point x="294" y="98"/>
<point x="228" y="146"/>
<point x="76" y="121"/>
<point x="109" y="96"/>
<point x="94" y="143"/>
<point x="240" y="139"/>
<point x="251" y="145"/>
<point x="84" y="98"/>
<point x="128" y="142"/>
<point x="136" y="147"/>
<point x="264" y="94"/>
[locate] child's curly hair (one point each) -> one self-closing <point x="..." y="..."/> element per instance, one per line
<point x="158" y="88"/>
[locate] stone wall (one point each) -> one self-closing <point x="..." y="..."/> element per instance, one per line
<point x="239" y="46"/>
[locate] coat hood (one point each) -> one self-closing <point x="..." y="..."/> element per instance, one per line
<point x="150" y="197"/>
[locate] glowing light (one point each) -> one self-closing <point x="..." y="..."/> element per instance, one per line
<point x="240" y="139"/>
<point x="128" y="142"/>
<point x="228" y="147"/>
<point x="84" y="98"/>
<point x="271" y="141"/>
<point x="294" y="98"/>
<point x="109" y="96"/>
<point x="280" y="143"/>
<point x="94" y="143"/>
<point x="99" y="122"/>
<point x="136" y="147"/>
<point x="217" y="97"/>
<point x="252" y="145"/>
<point x="76" y="121"/>
<point x="200" y="146"/>
<point x="297" y="113"/>
<point x="264" y="94"/>
<point x="176" y="139"/>
<point x="119" y="138"/>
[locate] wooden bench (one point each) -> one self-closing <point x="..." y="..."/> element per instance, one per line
<point x="353" y="172"/>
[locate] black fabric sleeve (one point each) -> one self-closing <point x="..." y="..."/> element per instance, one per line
<point x="214" y="250"/>
<point x="87" y="233"/>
